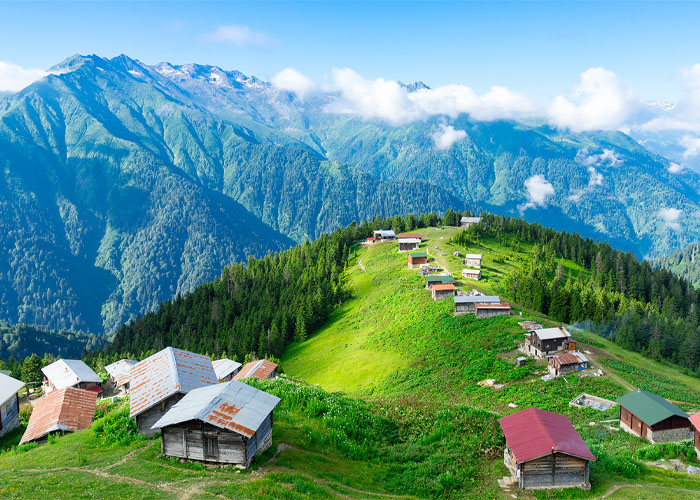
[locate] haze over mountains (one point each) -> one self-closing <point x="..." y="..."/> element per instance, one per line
<point x="122" y="184"/>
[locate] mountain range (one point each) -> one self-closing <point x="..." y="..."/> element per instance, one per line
<point x="123" y="184"/>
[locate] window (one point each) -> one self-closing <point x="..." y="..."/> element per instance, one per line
<point x="211" y="446"/>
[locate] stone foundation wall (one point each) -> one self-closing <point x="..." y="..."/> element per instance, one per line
<point x="670" y="435"/>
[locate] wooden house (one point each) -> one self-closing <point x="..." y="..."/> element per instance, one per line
<point x="226" y="369"/>
<point x="225" y="424"/>
<point x="384" y="235"/>
<point x="491" y="309"/>
<point x="408" y="242"/>
<point x="467" y="303"/>
<point x="567" y="362"/>
<point x="163" y="379"/>
<point x="472" y="260"/>
<point x="471" y="274"/>
<point x="120" y="376"/>
<point x="469" y="221"/>
<point x="62" y="410"/>
<point x="653" y="418"/>
<point x="260" y="369"/>
<point x="417" y="259"/>
<point x="438" y="280"/>
<point x="9" y="403"/>
<point x="543" y="342"/>
<point x="695" y="421"/>
<point x="543" y="451"/>
<point x="442" y="291"/>
<point x="70" y="373"/>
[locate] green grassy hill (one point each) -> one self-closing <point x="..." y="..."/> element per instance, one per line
<point x="385" y="402"/>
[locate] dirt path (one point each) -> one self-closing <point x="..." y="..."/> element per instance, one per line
<point x="594" y="354"/>
<point x="672" y="490"/>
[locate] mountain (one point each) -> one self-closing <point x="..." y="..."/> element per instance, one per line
<point x="123" y="184"/>
<point x="684" y="263"/>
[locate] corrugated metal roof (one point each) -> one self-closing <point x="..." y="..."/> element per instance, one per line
<point x="695" y="420"/>
<point x="225" y="367"/>
<point x="385" y="233"/>
<point x="439" y="279"/>
<point x="470" y="271"/>
<point x="120" y="368"/>
<point x="415" y="255"/>
<point x="8" y="388"/>
<point x="68" y="409"/>
<point x="571" y="358"/>
<point x="410" y="235"/>
<point x="552" y="333"/>
<point x="233" y="405"/>
<point x="492" y="305"/>
<point x="444" y="286"/>
<point x="473" y="220"/>
<point x="69" y="372"/>
<point x="534" y="433"/>
<point x="530" y="325"/>
<point x="467" y="299"/>
<point x="167" y="372"/>
<point x="472" y="256"/>
<point x="650" y="408"/>
<point x="261" y="369"/>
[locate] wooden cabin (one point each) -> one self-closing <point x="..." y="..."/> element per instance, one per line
<point x="469" y="221"/>
<point x="567" y="362"/>
<point x="224" y="424"/>
<point x="695" y="421"/>
<point x="70" y="373"/>
<point x="9" y="403"/>
<point x="409" y="242"/>
<point x="651" y="417"/>
<point x="384" y="235"/>
<point x="543" y="342"/>
<point x="491" y="309"/>
<point x="471" y="274"/>
<point x="226" y="369"/>
<point x="438" y="280"/>
<point x="544" y="451"/>
<point x="62" y="410"/>
<point x="417" y="259"/>
<point x="260" y="369"/>
<point x="120" y="376"/>
<point x="160" y="381"/>
<point x="442" y="291"/>
<point x="465" y="304"/>
<point x="472" y="260"/>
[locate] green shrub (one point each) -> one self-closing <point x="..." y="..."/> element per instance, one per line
<point x="24" y="414"/>
<point x="116" y="427"/>
<point x="683" y="451"/>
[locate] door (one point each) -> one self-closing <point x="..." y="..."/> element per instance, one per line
<point x="211" y="447"/>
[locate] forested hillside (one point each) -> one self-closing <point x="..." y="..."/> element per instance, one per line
<point x="684" y="263"/>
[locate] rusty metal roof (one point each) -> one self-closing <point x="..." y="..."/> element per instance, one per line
<point x="465" y="299"/>
<point x="120" y="368"/>
<point x="530" y="325"/>
<point x="492" y="305"/>
<point x="570" y="358"/>
<point x="261" y="369"/>
<point x="225" y="367"/>
<point x="234" y="406"/>
<point x="167" y="372"/>
<point x="534" y="433"/>
<point x="409" y="235"/>
<point x="8" y="387"/>
<point x="67" y="409"/>
<point x="69" y="372"/>
<point x="443" y="286"/>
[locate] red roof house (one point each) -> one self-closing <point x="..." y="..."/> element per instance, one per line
<point x="695" y="420"/>
<point x="543" y="450"/>
<point x="66" y="410"/>
<point x="261" y="369"/>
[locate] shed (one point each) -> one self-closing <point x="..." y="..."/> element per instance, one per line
<point x="491" y="309"/>
<point x="472" y="260"/>
<point x="567" y="362"/>
<point x="417" y="259"/>
<point x="9" y="403"/>
<point x="70" y="373"/>
<point x="65" y="410"/>
<point x="438" y="280"/>
<point x="543" y="450"/>
<point x="520" y="361"/>
<point x="226" y="424"/>
<point x="261" y="369"/>
<point x="384" y="235"/>
<point x="466" y="303"/>
<point x="226" y="368"/>
<point x="408" y="244"/>
<point x="471" y="274"/>
<point x="695" y="421"/>
<point x="120" y="375"/>
<point x="469" y="221"/>
<point x="163" y="379"/>
<point x="651" y="417"/>
<point x="543" y="342"/>
<point x="442" y="291"/>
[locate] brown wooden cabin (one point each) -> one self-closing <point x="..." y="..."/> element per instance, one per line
<point x="543" y="451"/>
<point x="491" y="309"/>
<point x="225" y="424"/>
<point x="695" y="421"/>
<point x="567" y="362"/>
<point x="9" y="403"/>
<point x="417" y="259"/>
<point x="465" y="304"/>
<point x="543" y="342"/>
<point x="651" y="417"/>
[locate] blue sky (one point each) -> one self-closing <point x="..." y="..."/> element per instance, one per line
<point x="537" y="48"/>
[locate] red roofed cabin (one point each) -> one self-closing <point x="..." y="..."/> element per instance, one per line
<point x="64" y="410"/>
<point x="409" y="242"/>
<point x="442" y="291"/>
<point x="695" y="420"/>
<point x="543" y="451"/>
<point x="261" y="369"/>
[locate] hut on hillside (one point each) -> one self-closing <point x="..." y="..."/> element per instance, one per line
<point x="70" y="373"/>
<point x="9" y="403"/>
<point x="384" y="235"/>
<point x="491" y="309"/>
<point x="120" y="375"/>
<point x="467" y="303"/>
<point x="409" y="242"/>
<point x="438" y="280"/>
<point x="226" y="424"/>
<point x="260" y="369"/>
<point x="543" y="451"/>
<point x="472" y="260"/>
<point x="62" y="410"/>
<point x="442" y="291"/>
<point x="471" y="274"/>
<point x="469" y="221"/>
<point x="695" y="421"/>
<point x="226" y="369"/>
<point x="567" y="362"/>
<point x="161" y="380"/>
<point x="543" y="342"/>
<point x="651" y="417"/>
<point x="417" y="259"/>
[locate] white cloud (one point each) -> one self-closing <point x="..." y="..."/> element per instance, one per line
<point x="241" y="36"/>
<point x="595" y="178"/>
<point x="446" y="136"/>
<point x="538" y="190"/>
<point x="670" y="216"/>
<point x="607" y="156"/>
<point x="599" y="101"/>
<point x="14" y="78"/>
<point x="674" y="168"/>
<point x="292" y="80"/>
<point x="691" y="145"/>
<point x="388" y="101"/>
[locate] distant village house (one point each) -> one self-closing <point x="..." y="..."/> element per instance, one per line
<point x="409" y="242"/>
<point x="260" y="369"/>
<point x="442" y="291"/>
<point x="567" y="362"/>
<point x="120" y="375"/>
<point x="70" y="373"/>
<point x="383" y="235"/>
<point x="465" y="304"/>
<point x="651" y="417"/>
<point x="226" y="369"/>
<point x="546" y="341"/>
<point x="417" y="259"/>
<point x="63" y="410"/>
<point x="9" y="403"/>
<point x="471" y="274"/>
<point x="469" y="221"/>
<point x="472" y="260"/>
<point x="491" y="309"/>
<point x="438" y="280"/>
